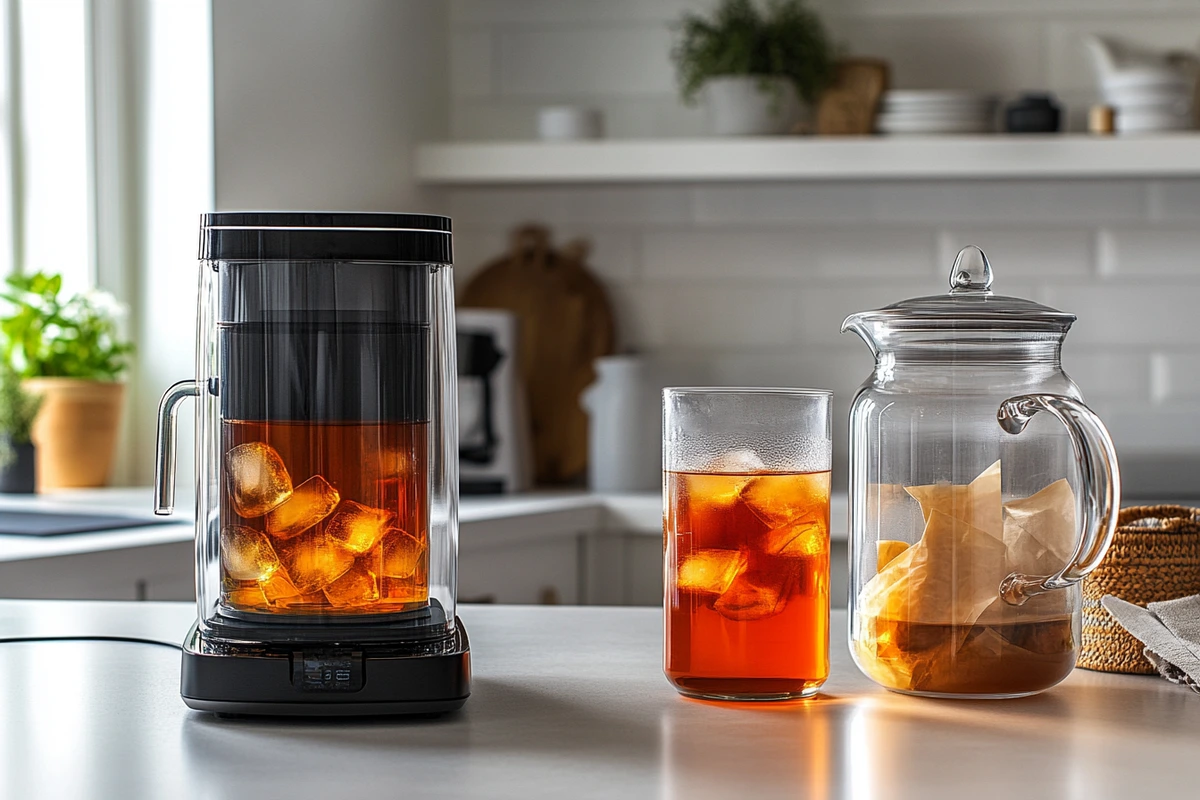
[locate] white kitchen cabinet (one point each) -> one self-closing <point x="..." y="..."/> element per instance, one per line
<point x="530" y="572"/>
<point x="153" y="572"/>
<point x="643" y="570"/>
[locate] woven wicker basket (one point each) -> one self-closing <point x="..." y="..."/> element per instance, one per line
<point x="1155" y="555"/>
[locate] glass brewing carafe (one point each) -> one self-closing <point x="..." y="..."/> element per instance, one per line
<point x="982" y="491"/>
<point x="326" y="475"/>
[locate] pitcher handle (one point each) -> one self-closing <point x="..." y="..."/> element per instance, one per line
<point x="164" y="459"/>
<point x="1100" y="481"/>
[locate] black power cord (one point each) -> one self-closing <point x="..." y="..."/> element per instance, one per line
<point x="127" y="639"/>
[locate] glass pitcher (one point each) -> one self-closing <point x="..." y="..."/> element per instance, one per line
<point x="973" y="515"/>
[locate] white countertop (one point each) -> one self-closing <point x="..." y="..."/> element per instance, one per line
<point x="491" y="519"/>
<point x="567" y="702"/>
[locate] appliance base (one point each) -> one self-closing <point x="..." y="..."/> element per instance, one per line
<point x="336" y="679"/>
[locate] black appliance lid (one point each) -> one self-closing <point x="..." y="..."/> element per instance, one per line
<point x="325" y="236"/>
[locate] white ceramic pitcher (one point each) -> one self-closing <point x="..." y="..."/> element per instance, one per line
<point x="1150" y="90"/>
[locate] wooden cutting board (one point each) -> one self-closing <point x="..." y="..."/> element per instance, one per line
<point x="849" y="106"/>
<point x="566" y="322"/>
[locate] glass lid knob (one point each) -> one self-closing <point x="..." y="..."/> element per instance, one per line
<point x="971" y="272"/>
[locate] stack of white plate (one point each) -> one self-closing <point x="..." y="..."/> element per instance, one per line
<point x="1149" y="100"/>
<point x="936" y="111"/>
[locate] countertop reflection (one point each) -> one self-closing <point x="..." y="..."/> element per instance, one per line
<point x="567" y="702"/>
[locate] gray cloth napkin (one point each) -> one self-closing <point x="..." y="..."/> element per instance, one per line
<point x="1171" y="632"/>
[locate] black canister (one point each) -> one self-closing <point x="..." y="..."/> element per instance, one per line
<point x="1033" y="113"/>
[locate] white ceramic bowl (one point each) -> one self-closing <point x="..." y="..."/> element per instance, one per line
<point x="940" y="98"/>
<point x="1143" y="120"/>
<point x="1156" y="98"/>
<point x="567" y="123"/>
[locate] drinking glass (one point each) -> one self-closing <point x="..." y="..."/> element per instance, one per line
<point x="746" y="542"/>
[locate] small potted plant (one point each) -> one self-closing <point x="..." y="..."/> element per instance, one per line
<point x="756" y="69"/>
<point x="69" y="352"/>
<point x="18" y="457"/>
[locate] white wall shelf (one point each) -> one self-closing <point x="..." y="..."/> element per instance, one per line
<point x="796" y="158"/>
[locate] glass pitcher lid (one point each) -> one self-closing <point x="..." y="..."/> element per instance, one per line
<point x="970" y="304"/>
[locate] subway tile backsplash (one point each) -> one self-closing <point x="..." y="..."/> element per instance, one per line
<point x="748" y="302"/>
<point x="747" y="283"/>
<point x="1158" y="252"/>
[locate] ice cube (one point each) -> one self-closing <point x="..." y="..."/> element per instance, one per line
<point x="258" y="479"/>
<point x="304" y="602"/>
<point x="356" y="527"/>
<point x="403" y="594"/>
<point x="752" y="598"/>
<point x="402" y="553"/>
<point x="358" y="587"/>
<point x="780" y="499"/>
<point x="736" y="462"/>
<point x="720" y="484"/>
<point x="395" y="463"/>
<point x="718" y="492"/>
<point x="804" y="537"/>
<point x="311" y="502"/>
<point x="278" y="588"/>
<point x="313" y="562"/>
<point x="710" y="571"/>
<point x="251" y="597"/>
<point x="246" y="554"/>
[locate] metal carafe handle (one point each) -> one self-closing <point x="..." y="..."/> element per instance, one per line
<point x="164" y="459"/>
<point x="1100" y="479"/>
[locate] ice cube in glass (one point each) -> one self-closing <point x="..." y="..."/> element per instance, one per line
<point x="711" y="571"/>
<point x="258" y="480"/>
<point x="356" y="527"/>
<point x="754" y="597"/>
<point x="311" y="502"/>
<point x="780" y="499"/>
<point x="313" y="562"/>
<point x="359" y="586"/>
<point x="246" y="554"/>
<point x="246" y="597"/>
<point x="277" y="588"/>
<point x="402" y="553"/>
<point x="802" y="537"/>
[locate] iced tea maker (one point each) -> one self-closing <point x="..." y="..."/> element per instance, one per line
<point x="326" y="471"/>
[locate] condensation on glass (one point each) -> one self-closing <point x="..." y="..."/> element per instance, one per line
<point x="746" y="480"/>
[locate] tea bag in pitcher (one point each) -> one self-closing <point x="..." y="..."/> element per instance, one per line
<point x="932" y="618"/>
<point x="950" y="575"/>
<point x="1039" y="530"/>
<point x="1039" y="536"/>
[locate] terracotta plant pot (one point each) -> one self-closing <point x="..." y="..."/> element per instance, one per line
<point x="76" y="431"/>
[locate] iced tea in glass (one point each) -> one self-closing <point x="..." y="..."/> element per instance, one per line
<point x="746" y="542"/>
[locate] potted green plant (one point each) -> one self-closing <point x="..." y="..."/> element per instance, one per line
<point x="756" y="68"/>
<point x="18" y="456"/>
<point x="68" y="351"/>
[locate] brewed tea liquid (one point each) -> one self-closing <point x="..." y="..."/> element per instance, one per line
<point x="747" y="600"/>
<point x="985" y="659"/>
<point x="324" y="517"/>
